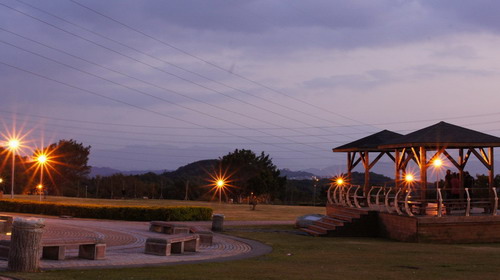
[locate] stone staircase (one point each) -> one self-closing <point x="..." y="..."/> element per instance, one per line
<point x="345" y="221"/>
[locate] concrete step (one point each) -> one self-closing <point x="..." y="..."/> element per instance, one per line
<point x="311" y="232"/>
<point x="319" y="229"/>
<point x="332" y="220"/>
<point x="351" y="212"/>
<point x="342" y="217"/>
<point x="327" y="225"/>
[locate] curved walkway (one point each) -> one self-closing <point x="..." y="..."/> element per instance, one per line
<point x="125" y="243"/>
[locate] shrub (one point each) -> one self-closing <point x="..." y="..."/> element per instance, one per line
<point x="128" y="213"/>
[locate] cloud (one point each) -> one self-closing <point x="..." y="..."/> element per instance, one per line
<point x="467" y="15"/>
<point x="365" y="80"/>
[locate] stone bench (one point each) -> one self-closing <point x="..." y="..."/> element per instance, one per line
<point x="175" y="244"/>
<point x="88" y="248"/>
<point x="5" y="224"/>
<point x="206" y="235"/>
<point x="55" y="249"/>
<point x="168" y="228"/>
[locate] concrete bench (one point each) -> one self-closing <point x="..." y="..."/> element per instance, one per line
<point x="206" y="235"/>
<point x="4" y="249"/>
<point x="175" y="244"/>
<point x="5" y="224"/>
<point x="88" y="248"/>
<point x="55" y="249"/>
<point x="168" y="228"/>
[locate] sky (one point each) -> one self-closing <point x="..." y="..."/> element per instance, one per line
<point x="159" y="84"/>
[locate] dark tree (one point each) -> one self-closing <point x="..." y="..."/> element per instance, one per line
<point x="70" y="167"/>
<point x="252" y="174"/>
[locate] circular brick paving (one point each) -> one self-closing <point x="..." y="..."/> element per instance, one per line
<point x="125" y="243"/>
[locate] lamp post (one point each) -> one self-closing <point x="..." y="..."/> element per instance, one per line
<point x="40" y="189"/>
<point x="220" y="185"/>
<point x="315" y="182"/>
<point x="42" y="160"/>
<point x="437" y="164"/>
<point x="13" y="145"/>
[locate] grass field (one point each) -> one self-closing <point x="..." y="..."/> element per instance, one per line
<point x="303" y="257"/>
<point x="232" y="212"/>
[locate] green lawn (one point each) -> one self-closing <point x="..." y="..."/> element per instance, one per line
<point x="233" y="212"/>
<point x="303" y="257"/>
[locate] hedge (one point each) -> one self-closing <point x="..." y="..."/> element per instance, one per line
<point x="127" y="213"/>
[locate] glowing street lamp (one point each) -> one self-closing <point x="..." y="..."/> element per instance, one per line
<point x="13" y="145"/>
<point x="437" y="165"/>
<point x="40" y="188"/>
<point x="42" y="159"/>
<point x="220" y="185"/>
<point x="409" y="178"/>
<point x="340" y="181"/>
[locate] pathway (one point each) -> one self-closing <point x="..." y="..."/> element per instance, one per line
<point x="125" y="243"/>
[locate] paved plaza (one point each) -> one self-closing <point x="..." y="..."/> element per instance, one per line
<point x="125" y="243"/>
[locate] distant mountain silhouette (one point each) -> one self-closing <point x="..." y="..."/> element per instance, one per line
<point x="107" y="171"/>
<point x="203" y="166"/>
<point x="296" y="175"/>
<point x="195" y="169"/>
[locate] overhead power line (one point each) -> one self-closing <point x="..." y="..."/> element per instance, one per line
<point x="211" y="63"/>
<point x="157" y="68"/>
<point x="142" y="108"/>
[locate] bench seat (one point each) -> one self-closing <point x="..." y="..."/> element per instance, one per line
<point x="174" y="244"/>
<point x="55" y="249"/>
<point x="206" y="235"/>
<point x="168" y="228"/>
<point x="88" y="248"/>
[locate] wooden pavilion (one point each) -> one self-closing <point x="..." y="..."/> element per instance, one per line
<point x="439" y="139"/>
<point x="359" y="151"/>
<point x="414" y="212"/>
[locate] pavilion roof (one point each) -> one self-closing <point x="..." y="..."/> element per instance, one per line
<point x="443" y="135"/>
<point x="369" y="143"/>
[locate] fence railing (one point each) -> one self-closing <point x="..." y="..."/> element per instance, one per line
<point x="411" y="201"/>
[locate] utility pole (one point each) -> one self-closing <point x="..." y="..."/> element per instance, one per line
<point x="315" y="182"/>
<point x="161" y="189"/>
<point x="97" y="187"/>
<point x="187" y="190"/>
<point x="123" y="189"/>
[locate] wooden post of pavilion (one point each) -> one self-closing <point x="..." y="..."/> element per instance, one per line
<point x="366" y="165"/>
<point x="363" y="147"/>
<point x="423" y="171"/>
<point x="491" y="174"/>
<point x="397" y="175"/>
<point x="423" y="179"/>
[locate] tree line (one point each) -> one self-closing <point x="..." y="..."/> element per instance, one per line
<point x="66" y="165"/>
<point x="247" y="175"/>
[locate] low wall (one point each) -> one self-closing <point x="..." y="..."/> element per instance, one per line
<point x="463" y="229"/>
<point x="397" y="227"/>
<point x="447" y="229"/>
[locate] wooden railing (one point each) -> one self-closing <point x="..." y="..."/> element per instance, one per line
<point x="409" y="201"/>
